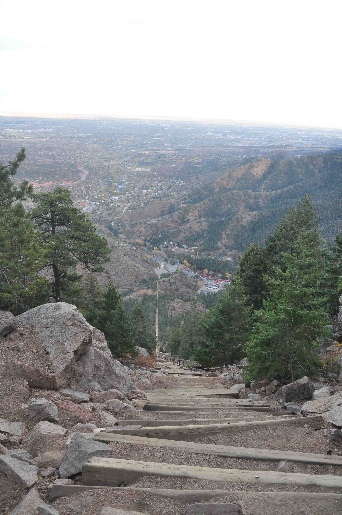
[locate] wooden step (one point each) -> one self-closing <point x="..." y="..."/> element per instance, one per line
<point x="118" y="472"/>
<point x="252" y="503"/>
<point x="184" y="421"/>
<point x="235" y="411"/>
<point x="244" y="453"/>
<point x="177" y="432"/>
<point x="196" y="407"/>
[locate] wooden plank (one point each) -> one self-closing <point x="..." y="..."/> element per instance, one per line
<point x="116" y="472"/>
<point x="245" y="453"/>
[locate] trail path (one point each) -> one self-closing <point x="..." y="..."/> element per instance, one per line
<point x="194" y="450"/>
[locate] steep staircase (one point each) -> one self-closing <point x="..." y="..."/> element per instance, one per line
<point x="195" y="450"/>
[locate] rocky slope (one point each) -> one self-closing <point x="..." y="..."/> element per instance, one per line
<point x="58" y="380"/>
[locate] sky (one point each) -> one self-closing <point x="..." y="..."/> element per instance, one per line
<point x="272" y="61"/>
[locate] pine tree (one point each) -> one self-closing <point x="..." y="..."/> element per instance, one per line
<point x="252" y="267"/>
<point x="112" y="319"/>
<point x="69" y="237"/>
<point x="21" y="248"/>
<point x="293" y="320"/>
<point x="21" y="260"/>
<point x="142" y="336"/>
<point x="225" y="329"/>
<point x="8" y="191"/>
<point x="302" y="217"/>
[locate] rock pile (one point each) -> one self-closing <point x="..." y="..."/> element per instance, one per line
<point x="59" y="386"/>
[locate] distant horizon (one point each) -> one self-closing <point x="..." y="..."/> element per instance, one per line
<point x="217" y="121"/>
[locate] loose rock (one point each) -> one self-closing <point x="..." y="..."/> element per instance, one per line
<point x="80" y="450"/>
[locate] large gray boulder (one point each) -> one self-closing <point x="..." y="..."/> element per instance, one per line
<point x="322" y="405"/>
<point x="32" y="504"/>
<point x="45" y="436"/>
<point x="18" y="471"/>
<point x="97" y="365"/>
<point x="302" y="389"/>
<point x="11" y="428"/>
<point x="80" y="450"/>
<point x="77" y="355"/>
<point x="64" y="334"/>
<point x="42" y="409"/>
<point x="334" y="416"/>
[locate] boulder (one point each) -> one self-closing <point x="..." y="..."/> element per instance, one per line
<point x="45" y="436"/>
<point x="97" y="366"/>
<point x="49" y="459"/>
<point x="32" y="504"/>
<point x="335" y="437"/>
<point x="74" y="395"/>
<point x="321" y="393"/>
<point x="319" y="406"/>
<point x="42" y="409"/>
<point x="64" y="334"/>
<point x="302" y="389"/>
<point x="84" y="428"/>
<point x="54" y="347"/>
<point x="292" y="407"/>
<point x="237" y="388"/>
<point x="12" y="428"/>
<point x="7" y="323"/>
<point x="80" y="450"/>
<point x="272" y="387"/>
<point x="18" y="471"/>
<point x="106" y="396"/>
<point x="107" y="419"/>
<point x="20" y="454"/>
<point x="118" y="407"/>
<point x="334" y="416"/>
<point x="71" y="413"/>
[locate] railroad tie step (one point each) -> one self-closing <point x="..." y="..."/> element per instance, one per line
<point x="179" y="431"/>
<point x="244" y="453"/>
<point x="119" y="472"/>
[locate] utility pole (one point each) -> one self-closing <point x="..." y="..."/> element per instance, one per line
<point x="157" y="320"/>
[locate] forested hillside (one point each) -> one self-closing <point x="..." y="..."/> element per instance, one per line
<point x="245" y="204"/>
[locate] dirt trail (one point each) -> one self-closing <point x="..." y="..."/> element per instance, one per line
<point x="194" y="450"/>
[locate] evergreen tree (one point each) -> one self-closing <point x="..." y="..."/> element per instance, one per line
<point x="226" y="328"/>
<point x="112" y="319"/>
<point x="142" y="336"/>
<point x="21" y="249"/>
<point x="302" y="217"/>
<point x="331" y="287"/>
<point x="8" y="191"/>
<point x="293" y="320"/>
<point x="252" y="267"/>
<point x="90" y="296"/>
<point x="21" y="260"/>
<point x="69" y="237"/>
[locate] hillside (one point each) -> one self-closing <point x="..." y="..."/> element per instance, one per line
<point x="245" y="204"/>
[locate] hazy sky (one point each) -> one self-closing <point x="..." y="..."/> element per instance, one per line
<point x="259" y="60"/>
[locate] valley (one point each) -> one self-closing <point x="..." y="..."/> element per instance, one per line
<point x="179" y="200"/>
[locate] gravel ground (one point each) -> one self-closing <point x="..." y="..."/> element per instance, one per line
<point x="90" y="503"/>
<point x="301" y="439"/>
